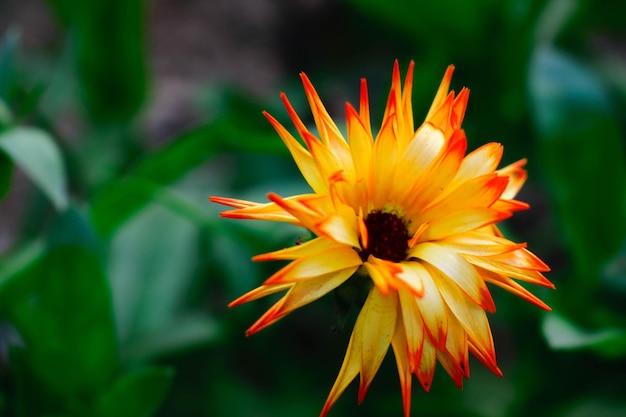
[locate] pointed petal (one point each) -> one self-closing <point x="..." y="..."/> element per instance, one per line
<point x="379" y="320"/>
<point x="432" y="310"/>
<point x="384" y="164"/>
<point x="437" y="179"/>
<point x="457" y="269"/>
<point x="475" y="193"/>
<point x="413" y="327"/>
<point x="313" y="246"/>
<point x="368" y="344"/>
<point x="411" y="276"/>
<point x="528" y="275"/>
<point x="301" y="156"/>
<point x="442" y="92"/>
<point x="361" y="144"/>
<point x="473" y="319"/>
<point x="300" y="294"/>
<point x="481" y="161"/>
<point x="253" y="211"/>
<point x="418" y="157"/>
<point x="428" y="361"/>
<point x="458" y="109"/>
<point x="521" y="258"/>
<point x="316" y="264"/>
<point x="400" y="346"/>
<point x="512" y="286"/>
<point x="479" y="244"/>
<point x="259" y="292"/>
<point x="456" y="347"/>
<point x="328" y="130"/>
<point x="461" y="222"/>
<point x="517" y="176"/>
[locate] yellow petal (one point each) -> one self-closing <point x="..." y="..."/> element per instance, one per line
<point x="478" y="192"/>
<point x="399" y="345"/>
<point x="428" y="361"/>
<point x="513" y="287"/>
<point x="433" y="312"/>
<point x="300" y="294"/>
<point x="517" y="176"/>
<point x="413" y="327"/>
<point x="473" y="319"/>
<point x="481" y="161"/>
<point x="313" y="246"/>
<point x="379" y="320"/>
<point x="260" y="292"/>
<point x="462" y="222"/>
<point x="457" y="269"/>
<point x="528" y="275"/>
<point x="315" y="264"/>
<point x="328" y="130"/>
<point x="411" y="275"/>
<point x="301" y="156"/>
<point x="368" y="344"/>
<point x="442" y="92"/>
<point x="254" y="211"/>
<point x="479" y="244"/>
<point x="418" y="157"/>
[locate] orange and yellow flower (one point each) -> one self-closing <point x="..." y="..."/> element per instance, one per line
<point x="409" y="212"/>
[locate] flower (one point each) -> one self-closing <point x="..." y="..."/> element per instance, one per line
<point x="415" y="217"/>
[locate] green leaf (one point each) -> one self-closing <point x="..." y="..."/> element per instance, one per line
<point x="136" y="394"/>
<point x="6" y="174"/>
<point x="241" y="127"/>
<point x="151" y="266"/>
<point x="35" y="152"/>
<point x="110" y="52"/>
<point x="8" y="48"/>
<point x="582" y="154"/>
<point x="561" y="334"/>
<point x="61" y="307"/>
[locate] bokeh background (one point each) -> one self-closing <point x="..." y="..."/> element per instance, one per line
<point x="118" y="118"/>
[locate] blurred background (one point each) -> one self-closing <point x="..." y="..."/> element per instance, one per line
<point x="118" y="118"/>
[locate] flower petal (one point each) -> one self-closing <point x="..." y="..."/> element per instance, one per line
<point x="461" y="222"/>
<point x="428" y="361"/>
<point x="300" y="294"/>
<point x="301" y="156"/>
<point x="413" y="327"/>
<point x="457" y="269"/>
<point x="379" y="320"/>
<point x="313" y="246"/>
<point x="400" y="348"/>
<point x="368" y="344"/>
<point x="442" y="92"/>
<point x="433" y="312"/>
<point x="253" y="211"/>
<point x="473" y="319"/>
<point x="315" y="264"/>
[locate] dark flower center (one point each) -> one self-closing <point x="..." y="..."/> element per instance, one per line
<point x="388" y="237"/>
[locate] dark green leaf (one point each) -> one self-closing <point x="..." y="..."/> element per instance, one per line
<point x="35" y="152"/>
<point x="8" y="48"/>
<point x="110" y="53"/>
<point x="6" y="174"/>
<point x="582" y="154"/>
<point x="564" y="335"/>
<point x="151" y="266"/>
<point x="238" y="129"/>
<point x="61" y="307"/>
<point x="136" y="394"/>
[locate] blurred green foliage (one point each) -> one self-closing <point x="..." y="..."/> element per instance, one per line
<point x="113" y="290"/>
